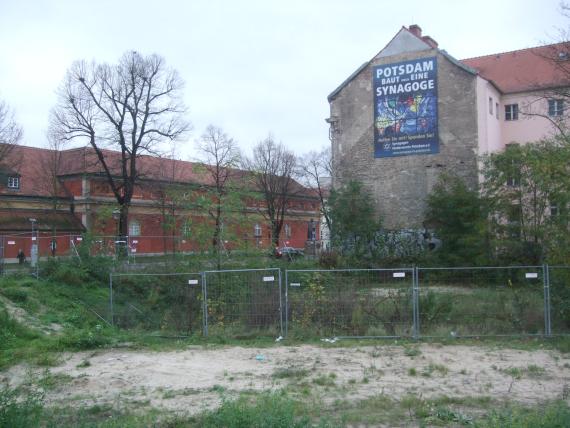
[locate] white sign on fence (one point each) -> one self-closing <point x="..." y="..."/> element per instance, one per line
<point x="531" y="275"/>
<point x="295" y="284"/>
<point x="192" y="282"/>
<point x="268" y="278"/>
<point x="399" y="274"/>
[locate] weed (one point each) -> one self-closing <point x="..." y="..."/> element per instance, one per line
<point x="435" y="368"/>
<point x="290" y="372"/>
<point x="83" y="364"/>
<point x="324" y="380"/>
<point x="412" y="371"/>
<point x="412" y="351"/>
<point x="218" y="388"/>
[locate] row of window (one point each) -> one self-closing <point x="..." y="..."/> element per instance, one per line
<point x="555" y="109"/>
<point x="135" y="229"/>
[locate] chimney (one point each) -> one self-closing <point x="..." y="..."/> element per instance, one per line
<point x="430" y="41"/>
<point x="416" y="30"/>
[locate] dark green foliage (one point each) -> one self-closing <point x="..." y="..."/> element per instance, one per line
<point x="458" y="216"/>
<point x="354" y="220"/>
<point x="521" y="185"/>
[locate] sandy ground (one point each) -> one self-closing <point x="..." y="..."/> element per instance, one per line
<point x="195" y="379"/>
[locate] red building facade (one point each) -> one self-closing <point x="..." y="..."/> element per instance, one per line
<point x="54" y="198"/>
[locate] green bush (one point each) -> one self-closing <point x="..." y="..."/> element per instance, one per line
<point x="556" y="415"/>
<point x="16" y="295"/>
<point x="20" y="410"/>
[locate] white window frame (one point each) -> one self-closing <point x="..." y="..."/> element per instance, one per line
<point x="287" y="231"/>
<point x="134" y="228"/>
<point x="13" y="182"/>
<point x="555" y="107"/>
<point x="257" y="232"/>
<point x="511" y="112"/>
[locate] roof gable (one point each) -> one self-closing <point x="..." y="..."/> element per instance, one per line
<point x="527" y="69"/>
<point x="404" y="41"/>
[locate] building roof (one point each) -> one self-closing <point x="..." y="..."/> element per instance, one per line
<point x="19" y="220"/>
<point x="524" y="70"/>
<point x="35" y="165"/>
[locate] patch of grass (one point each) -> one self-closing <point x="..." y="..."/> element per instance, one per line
<point x="435" y="368"/>
<point x="412" y="371"/>
<point x="218" y="388"/>
<point x="267" y="410"/>
<point x="324" y="380"/>
<point x="83" y="364"/>
<point x="553" y="415"/>
<point x="412" y="351"/>
<point x="290" y="372"/>
<point x="50" y="381"/>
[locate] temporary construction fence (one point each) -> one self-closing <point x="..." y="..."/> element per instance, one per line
<point x="162" y="304"/>
<point x="243" y="302"/>
<point x="408" y="302"/>
<point x="491" y="301"/>
<point x="350" y="302"/>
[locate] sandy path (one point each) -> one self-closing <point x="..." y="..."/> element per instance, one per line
<point x="191" y="380"/>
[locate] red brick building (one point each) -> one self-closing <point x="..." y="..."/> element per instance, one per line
<point x="64" y="194"/>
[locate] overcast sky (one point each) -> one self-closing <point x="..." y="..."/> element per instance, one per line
<point x="251" y="67"/>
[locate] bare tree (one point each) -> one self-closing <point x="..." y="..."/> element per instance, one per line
<point x="273" y="167"/>
<point x="219" y="156"/>
<point x="10" y="132"/>
<point x="132" y="107"/>
<point x="315" y="169"/>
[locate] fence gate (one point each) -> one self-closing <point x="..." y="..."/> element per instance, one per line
<point x="486" y="301"/>
<point x="243" y="302"/>
<point x="350" y="302"/>
<point x="163" y="304"/>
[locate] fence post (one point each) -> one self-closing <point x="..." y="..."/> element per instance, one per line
<point x="546" y="282"/>
<point x="415" y="303"/>
<point x="280" y="306"/>
<point x="286" y="302"/>
<point x="111" y="298"/>
<point x="205" y="304"/>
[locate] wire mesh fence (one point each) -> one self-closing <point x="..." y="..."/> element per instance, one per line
<point x="350" y="302"/>
<point x="162" y="304"/>
<point x="405" y="302"/>
<point x="559" y="297"/>
<point x="482" y="301"/>
<point x="243" y="302"/>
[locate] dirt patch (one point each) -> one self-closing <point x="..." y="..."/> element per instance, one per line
<point x="23" y="317"/>
<point x="195" y="379"/>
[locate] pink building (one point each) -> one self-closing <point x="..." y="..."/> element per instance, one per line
<point x="413" y="112"/>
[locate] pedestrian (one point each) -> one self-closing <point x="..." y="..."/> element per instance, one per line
<point x="21" y="257"/>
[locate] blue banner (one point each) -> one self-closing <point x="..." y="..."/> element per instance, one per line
<point x="405" y="108"/>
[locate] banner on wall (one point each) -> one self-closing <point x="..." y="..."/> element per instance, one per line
<point x="405" y="108"/>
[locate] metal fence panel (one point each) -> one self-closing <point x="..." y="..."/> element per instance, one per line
<point x="481" y="301"/>
<point x="162" y="304"/>
<point x="243" y="302"/>
<point x="349" y="302"/>
<point x="559" y="293"/>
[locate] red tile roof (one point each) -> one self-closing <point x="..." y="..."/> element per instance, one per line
<point x="530" y="69"/>
<point x="33" y="165"/>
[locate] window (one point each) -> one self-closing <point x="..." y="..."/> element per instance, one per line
<point x="287" y="231"/>
<point x="554" y="209"/>
<point x="490" y="105"/>
<point x="555" y="107"/>
<point x="497" y="110"/>
<point x="13" y="182"/>
<point x="134" y="228"/>
<point x="257" y="231"/>
<point x="512" y="112"/>
<point x="186" y="229"/>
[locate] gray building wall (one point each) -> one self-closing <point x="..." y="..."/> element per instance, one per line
<point x="400" y="185"/>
